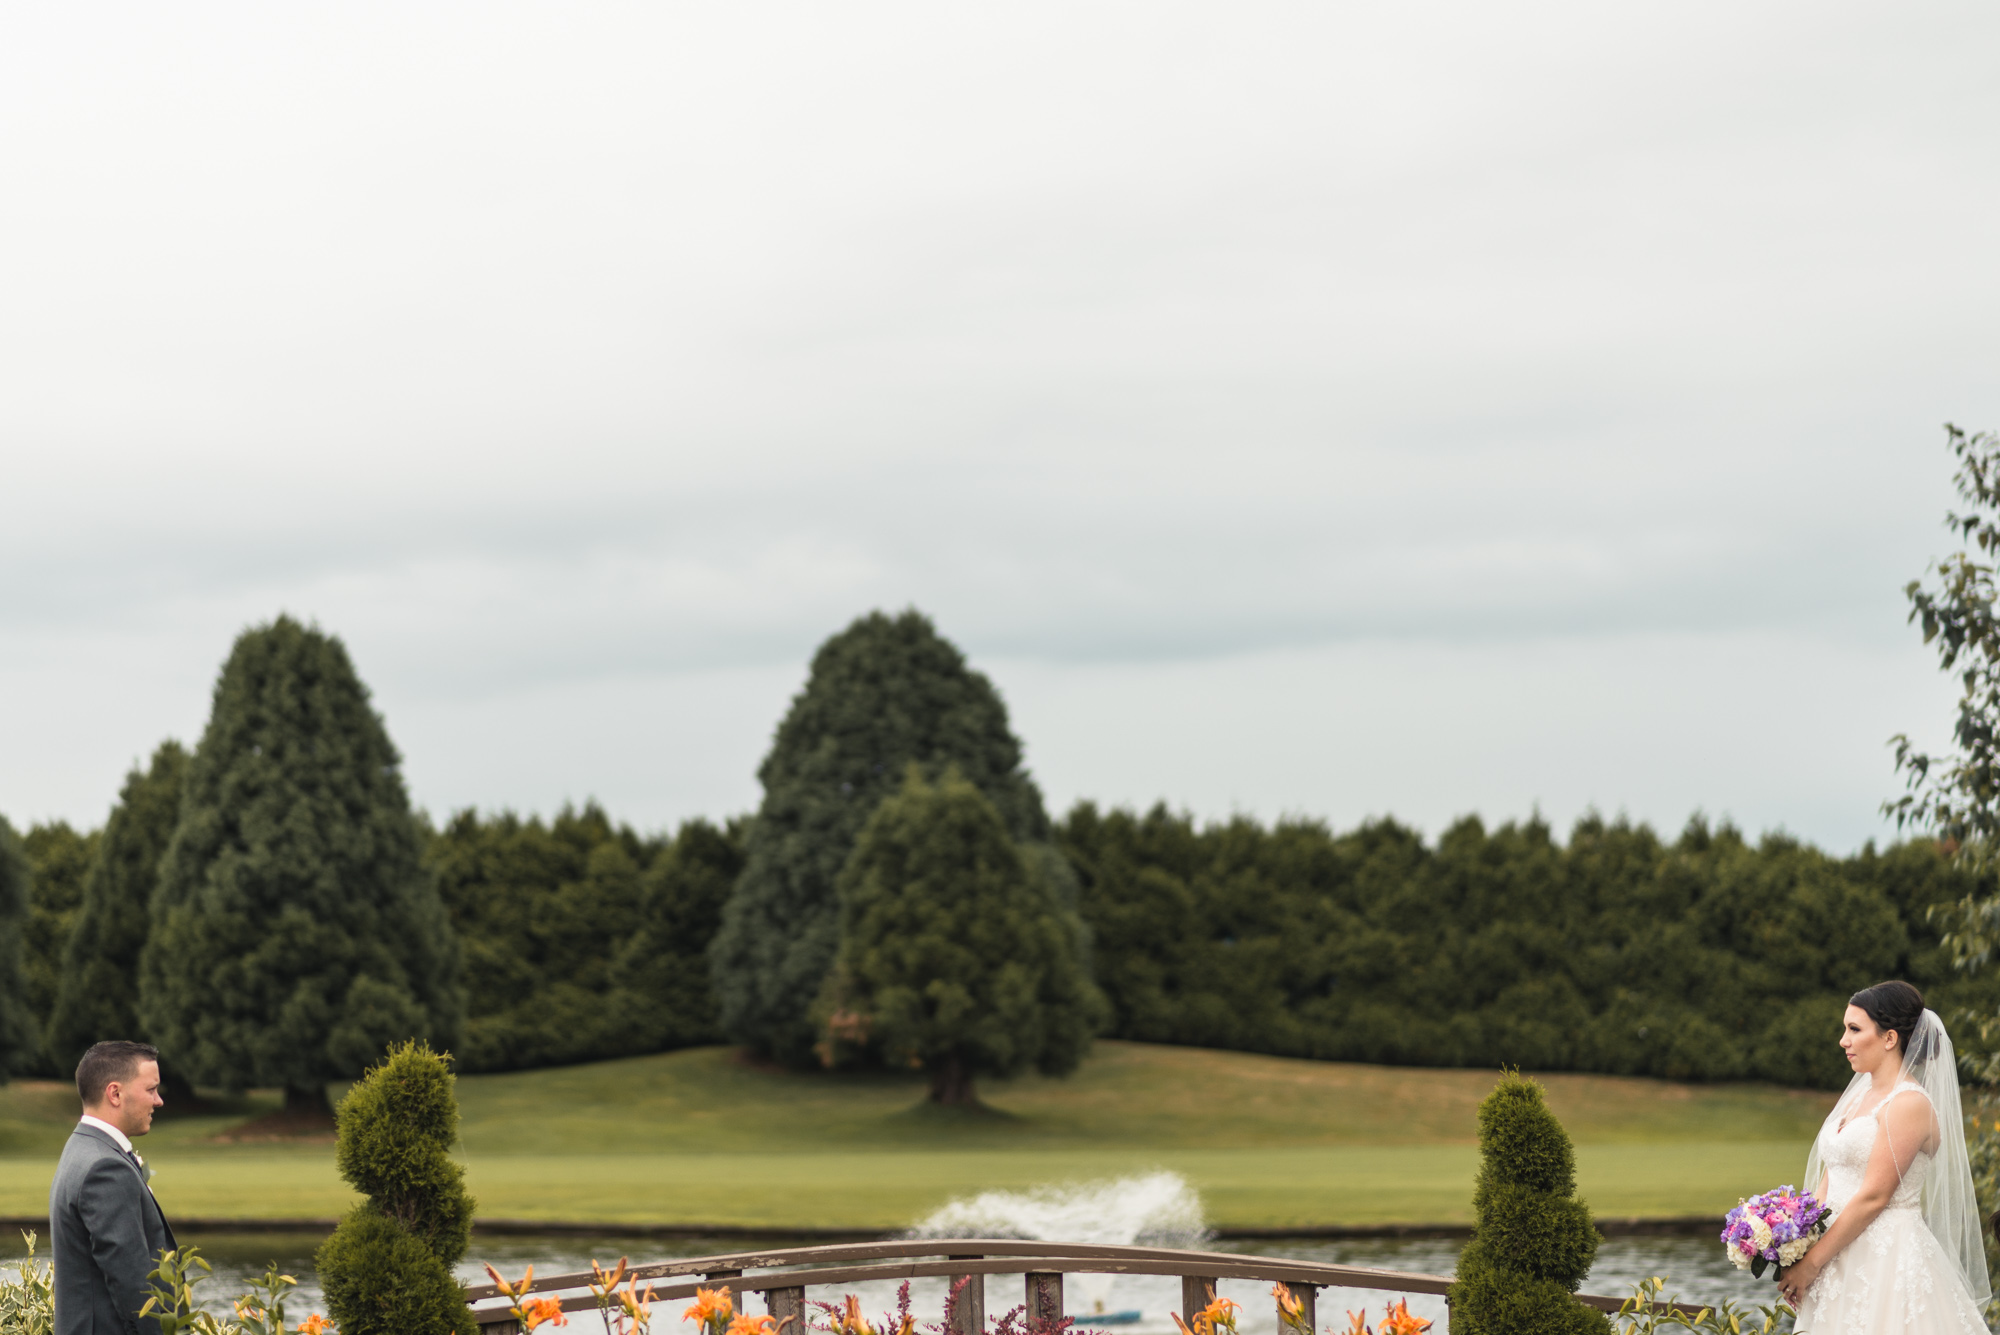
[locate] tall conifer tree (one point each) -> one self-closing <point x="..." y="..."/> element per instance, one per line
<point x="18" y="1039"/>
<point x="295" y="932"/>
<point x="60" y="856"/>
<point x="884" y="693"/>
<point x="98" y="997"/>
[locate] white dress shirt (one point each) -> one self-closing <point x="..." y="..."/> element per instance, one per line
<point x="123" y="1141"/>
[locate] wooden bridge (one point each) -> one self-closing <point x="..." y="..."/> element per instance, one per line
<point x="783" y="1275"/>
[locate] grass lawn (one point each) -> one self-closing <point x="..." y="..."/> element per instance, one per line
<point x="701" y="1137"/>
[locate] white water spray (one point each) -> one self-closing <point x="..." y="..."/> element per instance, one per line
<point x="1156" y="1209"/>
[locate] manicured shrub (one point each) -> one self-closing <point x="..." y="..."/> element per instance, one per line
<point x="1532" y="1241"/>
<point x="387" y="1270"/>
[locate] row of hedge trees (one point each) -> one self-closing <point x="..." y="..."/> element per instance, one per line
<point x="269" y="908"/>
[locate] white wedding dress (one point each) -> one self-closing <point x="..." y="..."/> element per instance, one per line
<point x="1896" y="1276"/>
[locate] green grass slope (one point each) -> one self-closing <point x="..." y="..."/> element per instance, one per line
<point x="702" y="1137"/>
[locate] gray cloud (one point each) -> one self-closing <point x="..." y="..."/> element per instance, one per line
<point x="559" y="360"/>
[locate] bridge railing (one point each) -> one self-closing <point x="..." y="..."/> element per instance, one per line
<point x="783" y="1275"/>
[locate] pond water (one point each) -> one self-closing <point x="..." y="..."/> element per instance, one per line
<point x="1694" y="1266"/>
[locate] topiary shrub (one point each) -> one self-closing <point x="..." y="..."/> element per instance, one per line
<point x="387" y="1269"/>
<point x="1532" y="1240"/>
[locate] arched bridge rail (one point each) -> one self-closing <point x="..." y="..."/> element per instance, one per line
<point x="783" y="1275"/>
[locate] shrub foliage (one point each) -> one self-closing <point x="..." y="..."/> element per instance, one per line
<point x="1708" y="958"/>
<point x="957" y="954"/>
<point x="1532" y="1241"/>
<point x="582" y="940"/>
<point x="387" y="1270"/>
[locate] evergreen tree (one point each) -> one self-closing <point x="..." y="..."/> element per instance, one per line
<point x="99" y="993"/>
<point x="295" y="932"/>
<point x="18" y="1039"/>
<point x="663" y="996"/>
<point x="1532" y="1241"/>
<point x="61" y="859"/>
<point x="956" y="952"/>
<point x="883" y="693"/>
<point x="1704" y="959"/>
<point x="541" y="911"/>
<point x="387" y="1270"/>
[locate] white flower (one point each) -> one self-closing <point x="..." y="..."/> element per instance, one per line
<point x="1790" y="1253"/>
<point x="1760" y="1233"/>
<point x="1738" y="1257"/>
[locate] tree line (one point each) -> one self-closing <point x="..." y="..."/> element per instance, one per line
<point x="271" y="911"/>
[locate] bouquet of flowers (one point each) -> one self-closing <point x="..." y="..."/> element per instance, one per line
<point x="1776" y="1228"/>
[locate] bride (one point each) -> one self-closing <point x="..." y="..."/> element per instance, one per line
<point x="1905" y="1251"/>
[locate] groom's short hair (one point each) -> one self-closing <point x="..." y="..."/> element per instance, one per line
<point x="114" y="1060"/>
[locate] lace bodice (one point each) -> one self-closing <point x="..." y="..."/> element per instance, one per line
<point x="1845" y="1151"/>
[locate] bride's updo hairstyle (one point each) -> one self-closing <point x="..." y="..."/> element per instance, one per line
<point x="1892" y="1005"/>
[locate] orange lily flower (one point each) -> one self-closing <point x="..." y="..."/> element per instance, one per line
<point x="1291" y="1311"/>
<point x="543" y="1311"/>
<point x="851" y="1320"/>
<point x="751" y="1325"/>
<point x="1221" y="1312"/>
<point x="315" y="1325"/>
<point x="710" y="1305"/>
<point x="1400" y="1322"/>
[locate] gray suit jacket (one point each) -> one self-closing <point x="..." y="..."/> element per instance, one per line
<point x="106" y="1233"/>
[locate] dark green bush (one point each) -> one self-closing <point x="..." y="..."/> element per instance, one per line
<point x="1707" y="958"/>
<point x="387" y="1270"/>
<point x="1532" y="1241"/>
<point x="957" y="953"/>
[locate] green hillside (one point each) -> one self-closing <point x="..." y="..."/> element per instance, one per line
<point x="699" y="1136"/>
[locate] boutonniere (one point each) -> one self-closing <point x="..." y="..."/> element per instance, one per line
<point x="145" y="1169"/>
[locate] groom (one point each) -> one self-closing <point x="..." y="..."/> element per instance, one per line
<point x="106" y="1231"/>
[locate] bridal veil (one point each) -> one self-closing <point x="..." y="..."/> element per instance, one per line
<point x="1950" y="1206"/>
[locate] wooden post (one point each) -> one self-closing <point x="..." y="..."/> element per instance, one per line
<point x="1045" y="1296"/>
<point x="788" y="1308"/>
<point x="729" y="1281"/>
<point x="1197" y="1292"/>
<point x="506" y="1325"/>
<point x="1308" y="1300"/>
<point x="969" y="1317"/>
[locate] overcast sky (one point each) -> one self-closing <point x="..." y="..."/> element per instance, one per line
<point x="1337" y="410"/>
